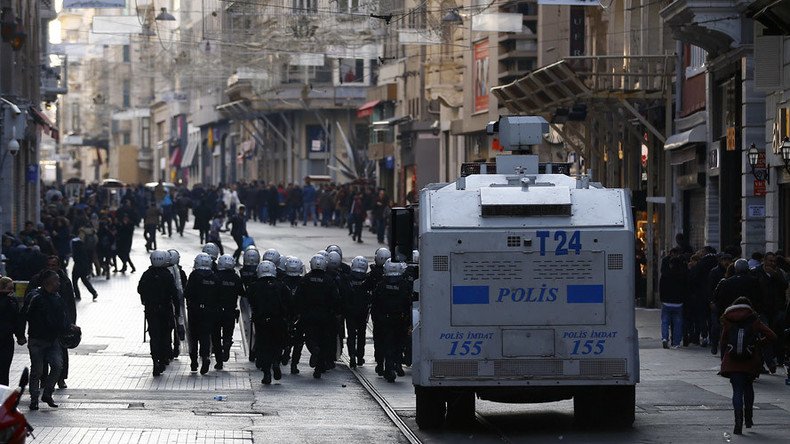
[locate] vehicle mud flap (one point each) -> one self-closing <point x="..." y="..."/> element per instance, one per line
<point x="431" y="407"/>
<point x="461" y="408"/>
<point x="605" y="406"/>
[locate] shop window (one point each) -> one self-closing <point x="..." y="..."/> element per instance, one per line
<point x="127" y="91"/>
<point x="351" y="71"/>
<point x="126" y="54"/>
<point x="348" y="5"/>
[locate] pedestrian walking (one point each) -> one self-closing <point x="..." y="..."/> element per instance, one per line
<point x="159" y="296"/>
<point x="82" y="268"/>
<point x="238" y="231"/>
<point x="308" y="202"/>
<point x="9" y="327"/>
<point x="357" y="218"/>
<point x="743" y="336"/>
<point x="674" y="292"/>
<point x="124" y="238"/>
<point x="44" y="313"/>
<point x="151" y="222"/>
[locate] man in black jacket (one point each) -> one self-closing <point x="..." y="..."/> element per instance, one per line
<point x="45" y="315"/>
<point x="159" y="295"/>
<point x="238" y="231"/>
<point x="66" y="292"/>
<point x="9" y="327"/>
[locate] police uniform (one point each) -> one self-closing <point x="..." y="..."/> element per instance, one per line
<point x="267" y="297"/>
<point x="375" y="277"/>
<point x="390" y="308"/>
<point x="230" y="288"/>
<point x="294" y="335"/>
<point x="179" y="330"/>
<point x="159" y="295"/>
<point x="356" y="308"/>
<point x="201" y="293"/>
<point x="317" y="299"/>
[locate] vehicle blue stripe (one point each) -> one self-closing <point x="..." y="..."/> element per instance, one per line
<point x="585" y="294"/>
<point x="470" y="294"/>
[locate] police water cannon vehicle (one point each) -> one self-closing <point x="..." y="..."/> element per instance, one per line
<point x="526" y="289"/>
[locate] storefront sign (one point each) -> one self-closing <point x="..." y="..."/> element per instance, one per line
<point x="94" y="3"/>
<point x="480" y="76"/>
<point x="759" y="188"/>
<point x="570" y="2"/>
<point x="577" y="31"/>
<point x="756" y="210"/>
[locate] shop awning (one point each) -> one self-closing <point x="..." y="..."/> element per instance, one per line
<point x="45" y="124"/>
<point x="367" y="109"/>
<point x="189" y="153"/>
<point x="694" y="135"/>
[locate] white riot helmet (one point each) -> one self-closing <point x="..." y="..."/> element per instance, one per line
<point x="415" y="256"/>
<point x="251" y="247"/>
<point x="382" y="255"/>
<point x="318" y="262"/>
<point x="359" y="265"/>
<point x="173" y="257"/>
<point x="226" y="262"/>
<point x="271" y="255"/>
<point x="212" y="250"/>
<point x="323" y="253"/>
<point x="293" y="266"/>
<point x="159" y="258"/>
<point x="334" y="260"/>
<point x="267" y="269"/>
<point x="392" y="268"/>
<point x="202" y="261"/>
<point x="332" y="248"/>
<point x="281" y="263"/>
<point x="252" y="257"/>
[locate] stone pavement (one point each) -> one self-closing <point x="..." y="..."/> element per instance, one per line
<point x="113" y="398"/>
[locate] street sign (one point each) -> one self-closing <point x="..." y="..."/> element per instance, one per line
<point x="756" y="210"/>
<point x="759" y="188"/>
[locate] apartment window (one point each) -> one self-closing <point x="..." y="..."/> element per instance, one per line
<point x="127" y="100"/>
<point x="302" y="6"/>
<point x="695" y="59"/>
<point x="126" y="138"/>
<point x="145" y="133"/>
<point x="126" y="54"/>
<point x="75" y="118"/>
<point x="348" y="5"/>
<point x="351" y="70"/>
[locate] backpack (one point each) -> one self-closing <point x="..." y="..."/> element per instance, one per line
<point x="742" y="340"/>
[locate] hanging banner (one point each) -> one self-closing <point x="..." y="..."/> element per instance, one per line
<point x="480" y="75"/>
<point x="497" y="22"/>
<point x="569" y="2"/>
<point x="94" y="4"/>
<point x="577" y="32"/>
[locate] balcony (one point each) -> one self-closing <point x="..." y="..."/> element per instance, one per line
<point x="54" y="77"/>
<point x="713" y="25"/>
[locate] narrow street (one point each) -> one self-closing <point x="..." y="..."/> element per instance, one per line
<point x="112" y="397"/>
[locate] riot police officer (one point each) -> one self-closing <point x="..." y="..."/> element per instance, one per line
<point x="376" y="275"/>
<point x="390" y="308"/>
<point x="230" y="288"/>
<point x="295" y="339"/>
<point x="249" y="271"/>
<point x="159" y="295"/>
<point x="267" y="297"/>
<point x="317" y="296"/>
<point x="200" y="294"/>
<point x="180" y="279"/>
<point x="341" y="281"/>
<point x="271" y="255"/>
<point x="212" y="250"/>
<point x="281" y="267"/>
<point x="356" y="307"/>
<point x="344" y="267"/>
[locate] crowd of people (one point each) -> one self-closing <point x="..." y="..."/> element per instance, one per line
<point x="737" y="307"/>
<point x="289" y="309"/>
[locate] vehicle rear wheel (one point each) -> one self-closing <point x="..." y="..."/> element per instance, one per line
<point x="461" y="408"/>
<point x="431" y="407"/>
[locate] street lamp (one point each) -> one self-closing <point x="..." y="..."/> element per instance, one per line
<point x="453" y="17"/>
<point x="754" y="156"/>
<point x="165" y="16"/>
<point x="786" y="153"/>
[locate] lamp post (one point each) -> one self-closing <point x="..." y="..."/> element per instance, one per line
<point x="754" y="157"/>
<point x="786" y="153"/>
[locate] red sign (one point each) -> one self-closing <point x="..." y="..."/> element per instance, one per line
<point x="480" y="75"/>
<point x="760" y="162"/>
<point x="759" y="188"/>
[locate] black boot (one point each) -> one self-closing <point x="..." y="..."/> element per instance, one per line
<point x="204" y="367"/>
<point x="294" y="369"/>
<point x="267" y="378"/>
<point x="749" y="417"/>
<point x="193" y="366"/>
<point x="49" y="401"/>
<point x="352" y="362"/>
<point x="157" y="368"/>
<point x="738" y="430"/>
<point x="277" y="372"/>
